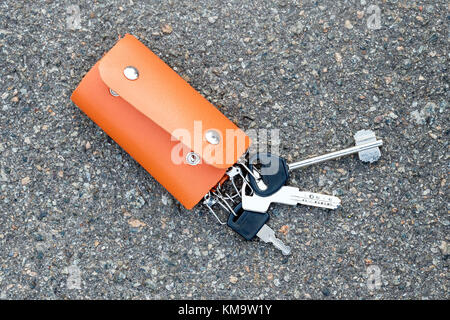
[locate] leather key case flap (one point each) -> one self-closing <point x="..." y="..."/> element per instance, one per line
<point x="159" y="119"/>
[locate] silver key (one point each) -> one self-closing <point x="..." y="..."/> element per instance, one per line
<point x="267" y="234"/>
<point x="366" y="147"/>
<point x="290" y="196"/>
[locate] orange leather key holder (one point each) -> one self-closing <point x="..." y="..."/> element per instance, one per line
<point x="177" y="135"/>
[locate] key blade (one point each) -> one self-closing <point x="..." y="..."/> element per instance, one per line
<point x="318" y="204"/>
<point x="317" y="196"/>
<point x="318" y="200"/>
<point x="267" y="234"/>
<point x="337" y="154"/>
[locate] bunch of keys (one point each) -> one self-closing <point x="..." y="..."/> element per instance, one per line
<point x="248" y="206"/>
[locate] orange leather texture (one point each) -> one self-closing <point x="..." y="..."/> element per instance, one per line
<point x="166" y="98"/>
<point x="140" y="120"/>
<point x="144" y="140"/>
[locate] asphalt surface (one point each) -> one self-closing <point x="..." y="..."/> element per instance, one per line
<point x="79" y="218"/>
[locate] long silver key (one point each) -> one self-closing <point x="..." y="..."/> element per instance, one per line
<point x="267" y="234"/>
<point x="367" y="147"/>
<point x="290" y="196"/>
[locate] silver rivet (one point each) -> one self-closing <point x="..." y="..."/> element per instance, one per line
<point x="212" y="136"/>
<point x="131" y="73"/>
<point x="113" y="93"/>
<point x="192" y="158"/>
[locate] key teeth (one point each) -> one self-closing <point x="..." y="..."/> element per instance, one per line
<point x="370" y="156"/>
<point x="366" y="136"/>
<point x="362" y="135"/>
<point x="277" y="243"/>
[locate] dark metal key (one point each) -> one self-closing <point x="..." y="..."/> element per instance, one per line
<point x="274" y="173"/>
<point x="250" y="224"/>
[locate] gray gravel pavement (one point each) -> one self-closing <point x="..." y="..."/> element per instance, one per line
<point x="79" y="218"/>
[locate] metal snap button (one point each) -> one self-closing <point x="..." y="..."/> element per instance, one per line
<point x="212" y="136"/>
<point x="192" y="158"/>
<point x="131" y="73"/>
